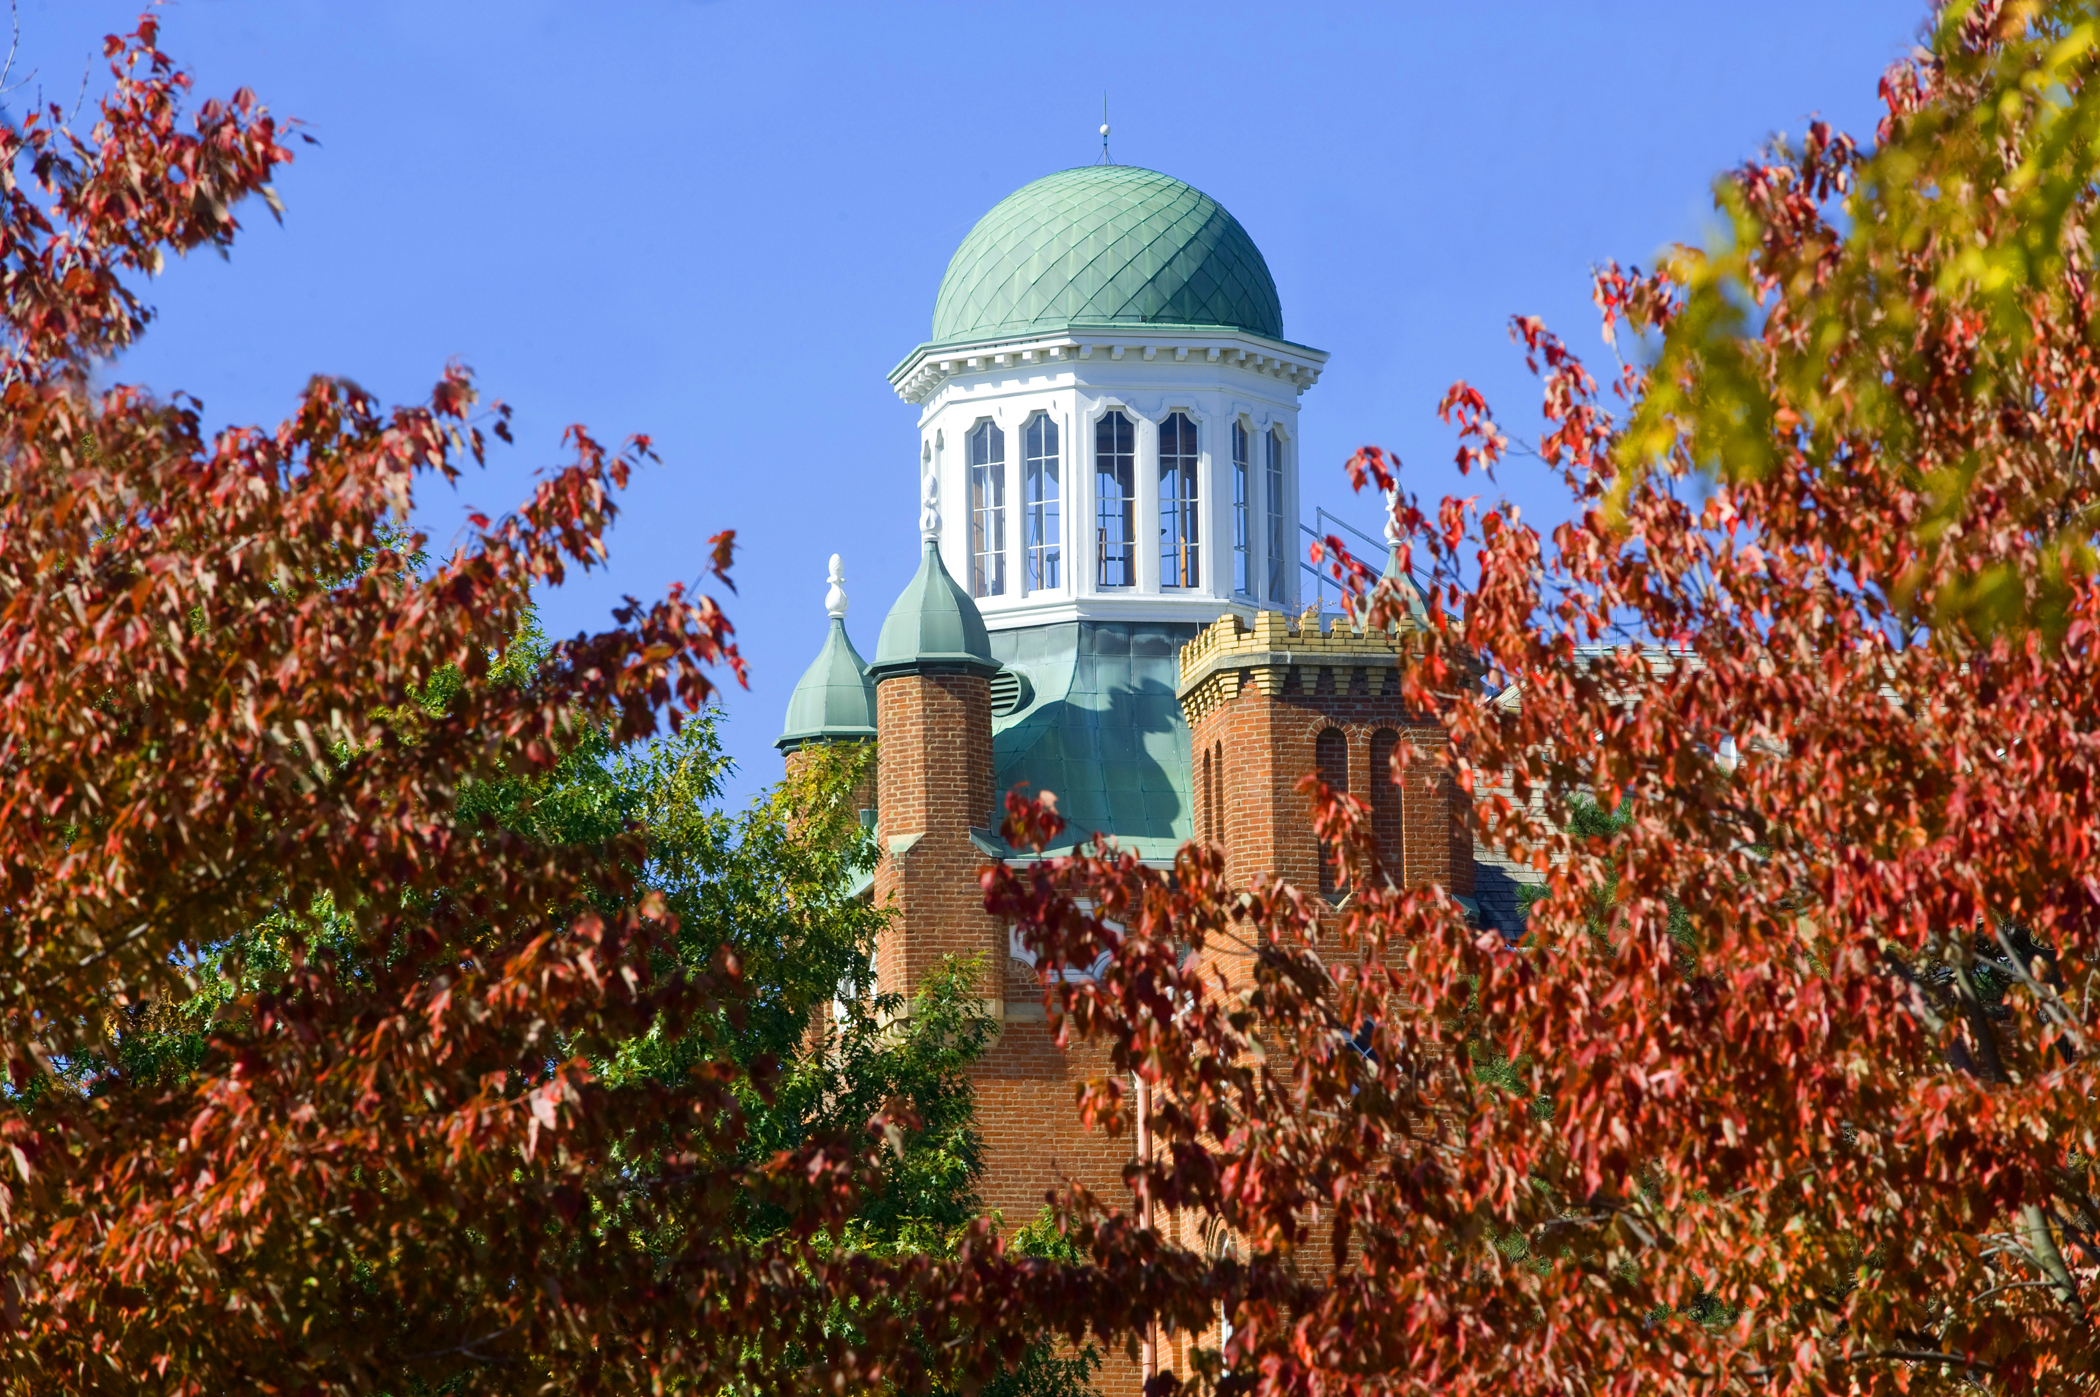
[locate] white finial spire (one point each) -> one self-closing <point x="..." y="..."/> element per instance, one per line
<point x="1392" y="522"/>
<point x="835" y="598"/>
<point x="1104" y="130"/>
<point x="929" y="505"/>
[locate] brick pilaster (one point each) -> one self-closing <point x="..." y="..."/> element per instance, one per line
<point x="934" y="785"/>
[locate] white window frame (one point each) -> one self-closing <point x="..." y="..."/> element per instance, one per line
<point x="1188" y="507"/>
<point x="1053" y="544"/>
<point x="990" y="511"/>
<point x="1134" y="522"/>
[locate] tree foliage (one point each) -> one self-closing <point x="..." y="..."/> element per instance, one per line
<point x="378" y="1014"/>
<point x="1791" y="1083"/>
<point x="355" y="1039"/>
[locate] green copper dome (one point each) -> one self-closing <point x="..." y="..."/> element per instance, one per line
<point x="835" y="700"/>
<point x="1105" y="244"/>
<point x="934" y="625"/>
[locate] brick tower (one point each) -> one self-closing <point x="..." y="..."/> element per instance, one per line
<point x="933" y="703"/>
<point x="933" y="671"/>
<point x="1109" y="405"/>
<point x="1271" y="701"/>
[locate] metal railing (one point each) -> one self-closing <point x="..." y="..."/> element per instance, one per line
<point x="1326" y="592"/>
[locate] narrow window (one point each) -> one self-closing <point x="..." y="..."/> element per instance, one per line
<point x="1279" y="541"/>
<point x="1242" y="577"/>
<point x="1385" y="805"/>
<point x="1178" y="539"/>
<point x="1041" y="487"/>
<point x="1217" y="792"/>
<point x="1208" y="827"/>
<point x="1115" y="491"/>
<point x="1331" y="755"/>
<point x="987" y="511"/>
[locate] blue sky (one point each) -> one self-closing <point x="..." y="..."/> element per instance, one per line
<point x="721" y="224"/>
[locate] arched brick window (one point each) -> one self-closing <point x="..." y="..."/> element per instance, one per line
<point x="1385" y="804"/>
<point x="1206" y="812"/>
<point x="1216" y="760"/>
<point x="1331" y="756"/>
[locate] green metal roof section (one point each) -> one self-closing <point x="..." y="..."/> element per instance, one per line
<point x="1396" y="573"/>
<point x="934" y="625"/>
<point x="835" y="699"/>
<point x="1105" y="244"/>
<point x="1104" y="730"/>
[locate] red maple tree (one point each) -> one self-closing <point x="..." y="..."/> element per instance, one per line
<point x="1790" y="1082"/>
<point x="1788" y="1085"/>
<point x="237" y="716"/>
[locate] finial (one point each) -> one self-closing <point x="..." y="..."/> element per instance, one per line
<point x="835" y="598"/>
<point x="1392" y="517"/>
<point x="929" y="505"/>
<point x="1104" y="130"/>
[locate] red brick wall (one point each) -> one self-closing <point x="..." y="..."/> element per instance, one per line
<point x="934" y="784"/>
<point x="1026" y="1108"/>
<point x="1268" y="743"/>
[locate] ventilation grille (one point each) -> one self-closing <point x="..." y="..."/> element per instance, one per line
<point x="1010" y="692"/>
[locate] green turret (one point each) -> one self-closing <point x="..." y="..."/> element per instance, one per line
<point x="835" y="699"/>
<point x="934" y="625"/>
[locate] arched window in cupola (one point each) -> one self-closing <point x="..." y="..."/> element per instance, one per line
<point x="1279" y="527"/>
<point x="1115" y="493"/>
<point x="1179" y="565"/>
<point x="987" y="510"/>
<point x="1242" y="574"/>
<point x="1039" y="501"/>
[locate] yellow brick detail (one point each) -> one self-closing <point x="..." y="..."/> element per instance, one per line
<point x="1274" y="646"/>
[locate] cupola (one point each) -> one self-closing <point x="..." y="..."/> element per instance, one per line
<point x="1110" y="409"/>
<point x="835" y="699"/>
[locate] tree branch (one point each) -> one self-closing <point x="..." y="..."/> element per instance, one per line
<point x="2041" y="1245"/>
<point x="2009" y="1285"/>
<point x="2052" y="1003"/>
<point x="14" y="15"/>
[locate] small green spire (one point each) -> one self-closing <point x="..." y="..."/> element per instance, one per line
<point x="835" y="699"/>
<point x="934" y="624"/>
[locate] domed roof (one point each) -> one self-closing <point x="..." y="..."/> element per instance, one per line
<point x="835" y="699"/>
<point x="1105" y="244"/>
<point x="934" y="625"/>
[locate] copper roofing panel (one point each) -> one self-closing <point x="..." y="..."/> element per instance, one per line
<point x="1105" y="243"/>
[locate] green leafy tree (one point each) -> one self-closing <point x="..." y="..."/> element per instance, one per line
<point x="767" y="885"/>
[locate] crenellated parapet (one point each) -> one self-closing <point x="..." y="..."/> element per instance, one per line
<point x="1273" y="650"/>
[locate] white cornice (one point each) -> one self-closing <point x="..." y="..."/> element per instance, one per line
<point x="1050" y="608"/>
<point x="930" y="366"/>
